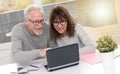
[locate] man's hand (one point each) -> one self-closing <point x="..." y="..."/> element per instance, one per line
<point x="43" y="52"/>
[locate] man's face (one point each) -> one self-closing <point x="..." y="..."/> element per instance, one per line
<point x="35" y="22"/>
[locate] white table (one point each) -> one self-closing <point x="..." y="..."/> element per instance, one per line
<point x="81" y="68"/>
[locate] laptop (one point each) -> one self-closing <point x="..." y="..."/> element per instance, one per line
<point x="62" y="57"/>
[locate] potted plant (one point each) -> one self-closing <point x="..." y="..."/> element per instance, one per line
<point x="106" y="45"/>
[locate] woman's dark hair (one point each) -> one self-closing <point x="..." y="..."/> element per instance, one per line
<point x="61" y="13"/>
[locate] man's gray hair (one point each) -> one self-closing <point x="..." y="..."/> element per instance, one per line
<point x="31" y="7"/>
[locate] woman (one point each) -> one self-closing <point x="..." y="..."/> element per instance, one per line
<point x="64" y="30"/>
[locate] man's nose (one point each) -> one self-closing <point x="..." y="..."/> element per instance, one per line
<point x="39" y="25"/>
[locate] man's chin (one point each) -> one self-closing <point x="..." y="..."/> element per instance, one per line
<point x="38" y="33"/>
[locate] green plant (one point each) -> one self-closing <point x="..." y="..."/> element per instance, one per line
<point x="106" y="44"/>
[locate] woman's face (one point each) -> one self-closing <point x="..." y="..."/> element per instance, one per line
<point x="60" y="26"/>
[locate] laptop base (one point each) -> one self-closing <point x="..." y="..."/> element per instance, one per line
<point x="60" y="67"/>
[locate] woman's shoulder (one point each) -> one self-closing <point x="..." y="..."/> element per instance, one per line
<point x="78" y="26"/>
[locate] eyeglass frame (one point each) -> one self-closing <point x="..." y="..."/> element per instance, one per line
<point x="37" y="21"/>
<point x="61" y="23"/>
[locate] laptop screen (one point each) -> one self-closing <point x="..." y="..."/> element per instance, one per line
<point x="62" y="55"/>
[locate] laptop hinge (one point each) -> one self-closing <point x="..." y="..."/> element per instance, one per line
<point x="63" y="65"/>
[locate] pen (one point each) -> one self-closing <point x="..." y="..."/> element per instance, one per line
<point x="34" y="66"/>
<point x="18" y="72"/>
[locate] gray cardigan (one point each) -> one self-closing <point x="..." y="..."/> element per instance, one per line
<point x="85" y="43"/>
<point x="26" y="47"/>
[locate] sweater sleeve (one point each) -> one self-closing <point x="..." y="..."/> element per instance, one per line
<point x="88" y="45"/>
<point x="18" y="53"/>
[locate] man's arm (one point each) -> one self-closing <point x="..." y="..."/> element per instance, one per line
<point x="18" y="53"/>
<point x="52" y="44"/>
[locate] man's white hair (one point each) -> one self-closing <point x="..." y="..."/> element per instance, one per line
<point x="31" y="7"/>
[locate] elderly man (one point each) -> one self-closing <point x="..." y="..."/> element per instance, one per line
<point x="31" y="39"/>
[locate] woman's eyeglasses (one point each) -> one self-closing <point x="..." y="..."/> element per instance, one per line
<point x="61" y="23"/>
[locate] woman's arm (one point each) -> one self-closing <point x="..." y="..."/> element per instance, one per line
<point x="88" y="45"/>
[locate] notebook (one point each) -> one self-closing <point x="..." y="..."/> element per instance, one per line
<point x="62" y="57"/>
<point x="91" y="58"/>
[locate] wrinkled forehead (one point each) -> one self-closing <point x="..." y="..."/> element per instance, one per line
<point x="36" y="12"/>
<point x="59" y="18"/>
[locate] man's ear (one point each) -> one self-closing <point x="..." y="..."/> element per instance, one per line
<point x="26" y="21"/>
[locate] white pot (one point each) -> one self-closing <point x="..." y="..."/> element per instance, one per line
<point x="108" y="62"/>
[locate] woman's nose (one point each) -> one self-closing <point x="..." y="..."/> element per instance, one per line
<point x="59" y="25"/>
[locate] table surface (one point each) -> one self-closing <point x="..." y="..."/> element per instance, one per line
<point x="81" y="68"/>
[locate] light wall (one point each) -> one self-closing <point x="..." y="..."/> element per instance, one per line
<point x="87" y="9"/>
<point x="117" y="5"/>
